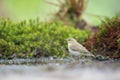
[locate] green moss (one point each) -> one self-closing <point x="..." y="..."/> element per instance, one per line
<point x="33" y="38"/>
<point x="118" y="42"/>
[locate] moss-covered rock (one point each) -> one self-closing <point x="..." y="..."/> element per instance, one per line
<point x="107" y="40"/>
<point x="33" y="38"/>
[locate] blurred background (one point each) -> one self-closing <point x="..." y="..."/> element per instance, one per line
<point x="25" y="40"/>
<point x="30" y="9"/>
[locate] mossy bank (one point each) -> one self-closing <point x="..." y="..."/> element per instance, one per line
<point x="29" y="39"/>
<point x="107" y="41"/>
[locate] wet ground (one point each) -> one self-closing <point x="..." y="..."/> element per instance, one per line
<point x="59" y="69"/>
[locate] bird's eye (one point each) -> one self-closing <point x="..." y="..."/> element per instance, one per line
<point x="68" y="39"/>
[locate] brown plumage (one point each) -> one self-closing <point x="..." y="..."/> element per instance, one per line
<point x="76" y="49"/>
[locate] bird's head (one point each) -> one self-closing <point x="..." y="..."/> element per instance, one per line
<point x="71" y="40"/>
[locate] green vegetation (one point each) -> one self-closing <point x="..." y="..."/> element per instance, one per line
<point x="34" y="39"/>
<point x="118" y="41"/>
<point x="27" y="9"/>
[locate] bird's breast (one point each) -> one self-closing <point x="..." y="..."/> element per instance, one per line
<point x="75" y="53"/>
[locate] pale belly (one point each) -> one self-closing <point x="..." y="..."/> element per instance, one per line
<point x="75" y="53"/>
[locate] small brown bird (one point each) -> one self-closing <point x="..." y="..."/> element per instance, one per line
<point x="76" y="49"/>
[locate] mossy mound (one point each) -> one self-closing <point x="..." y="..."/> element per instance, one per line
<point x="35" y="39"/>
<point x="107" y="41"/>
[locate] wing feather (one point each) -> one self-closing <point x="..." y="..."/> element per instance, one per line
<point x="80" y="48"/>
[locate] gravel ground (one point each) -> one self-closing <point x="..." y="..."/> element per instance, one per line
<point x="79" y="70"/>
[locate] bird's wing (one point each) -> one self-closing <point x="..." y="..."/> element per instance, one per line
<point x="80" y="48"/>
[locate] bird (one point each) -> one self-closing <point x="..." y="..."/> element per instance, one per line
<point x="77" y="50"/>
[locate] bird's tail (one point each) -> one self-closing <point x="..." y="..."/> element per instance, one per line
<point x="89" y="54"/>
